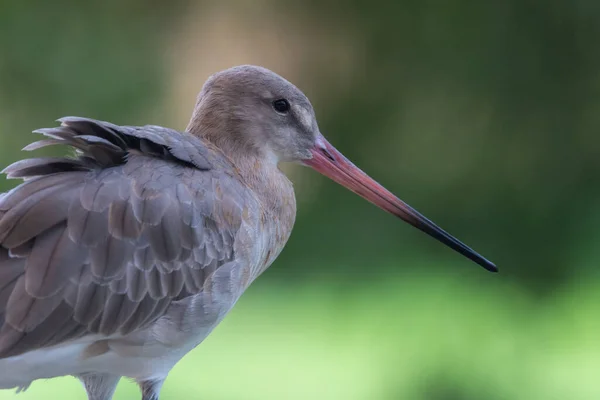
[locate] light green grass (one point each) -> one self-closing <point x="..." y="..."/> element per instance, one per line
<point x="417" y="337"/>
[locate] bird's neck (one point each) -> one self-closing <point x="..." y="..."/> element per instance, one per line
<point x="261" y="174"/>
<point x="258" y="168"/>
<point x="275" y="193"/>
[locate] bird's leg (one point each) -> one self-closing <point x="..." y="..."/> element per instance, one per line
<point x="99" y="386"/>
<point x="150" y="389"/>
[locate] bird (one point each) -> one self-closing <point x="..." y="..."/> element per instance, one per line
<point x="121" y="257"/>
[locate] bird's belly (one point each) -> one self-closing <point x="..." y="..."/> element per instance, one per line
<point x="123" y="357"/>
<point x="62" y="360"/>
<point x="20" y="371"/>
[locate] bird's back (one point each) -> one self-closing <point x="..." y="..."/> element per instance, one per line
<point x="147" y="236"/>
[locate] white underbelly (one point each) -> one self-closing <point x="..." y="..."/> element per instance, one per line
<point x="154" y="362"/>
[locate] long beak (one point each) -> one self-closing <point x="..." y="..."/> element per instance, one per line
<point x="331" y="163"/>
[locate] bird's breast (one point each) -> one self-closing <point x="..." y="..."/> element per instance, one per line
<point x="276" y="217"/>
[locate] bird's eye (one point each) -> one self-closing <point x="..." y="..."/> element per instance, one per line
<point x="281" y="105"/>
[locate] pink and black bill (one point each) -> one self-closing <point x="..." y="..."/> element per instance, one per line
<point x="331" y="163"/>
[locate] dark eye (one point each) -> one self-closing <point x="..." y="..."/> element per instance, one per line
<point x="281" y="105"/>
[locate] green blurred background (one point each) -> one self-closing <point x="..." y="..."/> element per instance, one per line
<point x="484" y="115"/>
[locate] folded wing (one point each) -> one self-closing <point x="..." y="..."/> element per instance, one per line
<point x="105" y="241"/>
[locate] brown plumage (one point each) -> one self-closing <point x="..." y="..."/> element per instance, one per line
<point x="119" y="260"/>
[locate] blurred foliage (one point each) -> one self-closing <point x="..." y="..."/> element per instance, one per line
<point x="483" y="115"/>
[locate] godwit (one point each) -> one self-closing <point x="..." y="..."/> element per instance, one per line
<point x="118" y="261"/>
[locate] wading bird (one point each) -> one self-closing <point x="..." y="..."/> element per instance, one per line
<point x="119" y="260"/>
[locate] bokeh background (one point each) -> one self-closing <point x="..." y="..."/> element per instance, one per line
<point x="484" y="115"/>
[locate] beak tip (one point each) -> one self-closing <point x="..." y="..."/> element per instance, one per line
<point x="490" y="266"/>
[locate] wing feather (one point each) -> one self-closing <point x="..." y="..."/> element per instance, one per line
<point x="105" y="242"/>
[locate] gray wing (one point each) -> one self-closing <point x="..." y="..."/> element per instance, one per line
<point x="105" y="241"/>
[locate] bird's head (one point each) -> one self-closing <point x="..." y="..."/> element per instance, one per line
<point x="257" y="111"/>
